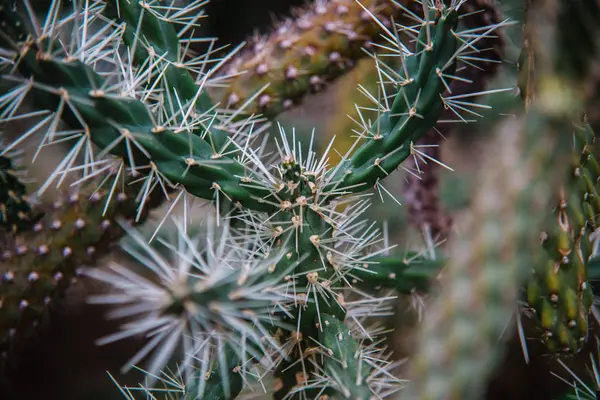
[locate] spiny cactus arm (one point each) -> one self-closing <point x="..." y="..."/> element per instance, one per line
<point x="559" y="293"/>
<point x="211" y="294"/>
<point x="489" y="55"/>
<point x="151" y="35"/>
<point x="76" y="94"/>
<point x="335" y="364"/>
<point x="131" y="133"/>
<point x="41" y="263"/>
<point x="459" y="337"/>
<point x="416" y="107"/>
<point x="319" y="44"/>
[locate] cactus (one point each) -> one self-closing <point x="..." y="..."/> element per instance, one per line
<point x="314" y="47"/>
<point x="39" y="264"/>
<point x="285" y="274"/>
<point x="559" y="292"/>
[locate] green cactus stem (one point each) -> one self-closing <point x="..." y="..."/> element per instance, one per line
<point x="406" y="274"/>
<point x="559" y="293"/>
<point x="156" y="41"/>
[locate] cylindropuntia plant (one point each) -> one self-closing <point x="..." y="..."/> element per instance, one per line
<point x="281" y="281"/>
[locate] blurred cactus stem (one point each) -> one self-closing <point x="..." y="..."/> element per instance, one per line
<point x="39" y="265"/>
<point x="459" y="338"/>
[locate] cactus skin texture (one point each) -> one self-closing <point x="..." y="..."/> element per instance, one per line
<point x="40" y="264"/>
<point x="558" y="292"/>
<point x="319" y="44"/>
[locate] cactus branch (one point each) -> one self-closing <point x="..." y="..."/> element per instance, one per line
<point x="40" y="264"/>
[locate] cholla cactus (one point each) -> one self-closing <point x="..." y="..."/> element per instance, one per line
<point x="280" y="281"/>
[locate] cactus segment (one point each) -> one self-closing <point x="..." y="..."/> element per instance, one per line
<point x="415" y="109"/>
<point x="322" y="42"/>
<point x="336" y="364"/>
<point x="559" y="294"/>
<point x="131" y="133"/>
<point x="156" y="41"/>
<point x="348" y="371"/>
<point x="490" y="262"/>
<point x="42" y="262"/>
